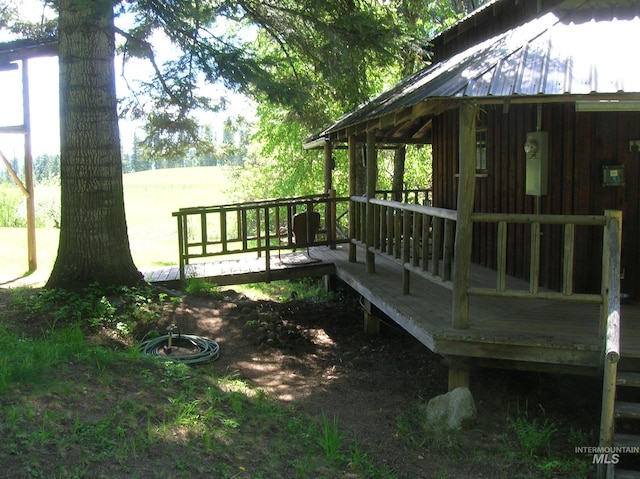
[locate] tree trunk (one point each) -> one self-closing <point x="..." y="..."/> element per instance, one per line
<point x="397" y="185"/>
<point x="94" y="246"/>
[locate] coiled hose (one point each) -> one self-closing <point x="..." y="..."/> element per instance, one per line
<point x="206" y="349"/>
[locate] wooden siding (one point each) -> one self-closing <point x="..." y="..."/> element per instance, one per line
<point x="486" y="22"/>
<point x="580" y="143"/>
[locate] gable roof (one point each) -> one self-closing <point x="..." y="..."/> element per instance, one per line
<point x="563" y="54"/>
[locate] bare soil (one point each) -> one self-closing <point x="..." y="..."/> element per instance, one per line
<point x="316" y="355"/>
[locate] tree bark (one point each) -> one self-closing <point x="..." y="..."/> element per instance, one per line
<point x="94" y="244"/>
<point x="397" y="182"/>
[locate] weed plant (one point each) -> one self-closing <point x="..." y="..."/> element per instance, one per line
<point x="201" y="287"/>
<point x="73" y="409"/>
<point x="535" y="438"/>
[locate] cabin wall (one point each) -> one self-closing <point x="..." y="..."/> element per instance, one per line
<point x="487" y="22"/>
<point x="580" y="143"/>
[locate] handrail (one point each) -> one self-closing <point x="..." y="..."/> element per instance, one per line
<point x="417" y="195"/>
<point x="254" y="226"/>
<point x="535" y="221"/>
<point x="419" y="237"/>
<point x="611" y="350"/>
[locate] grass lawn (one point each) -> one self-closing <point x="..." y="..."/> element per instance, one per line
<point x="150" y="198"/>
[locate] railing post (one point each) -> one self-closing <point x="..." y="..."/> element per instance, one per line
<point x="613" y="220"/>
<point x="267" y="244"/>
<point x="611" y="307"/>
<point x="464" y="227"/>
<point x="223" y="230"/>
<point x="406" y="250"/>
<point x="203" y="233"/>
<point x="534" y="271"/>
<point x="181" y="245"/>
<point x="372" y="177"/>
<point x="353" y="207"/>
<point x="332" y="219"/>
<point x="567" y="260"/>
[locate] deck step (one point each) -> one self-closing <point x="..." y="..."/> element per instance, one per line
<point x="627" y="410"/>
<point x="625" y="474"/>
<point x="626" y="440"/>
<point x="628" y="379"/>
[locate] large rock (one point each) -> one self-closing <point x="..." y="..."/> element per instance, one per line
<point x="452" y="410"/>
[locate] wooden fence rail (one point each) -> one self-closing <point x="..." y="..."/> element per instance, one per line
<point x="419" y="237"/>
<point x="261" y="227"/>
<point x="569" y="222"/>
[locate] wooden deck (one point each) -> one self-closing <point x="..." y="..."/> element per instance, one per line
<point x="248" y="269"/>
<point x="521" y="334"/>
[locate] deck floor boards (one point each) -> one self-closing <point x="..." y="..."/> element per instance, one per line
<point x="531" y="331"/>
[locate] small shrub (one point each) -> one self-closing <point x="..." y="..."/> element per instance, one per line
<point x="533" y="436"/>
<point x="201" y="287"/>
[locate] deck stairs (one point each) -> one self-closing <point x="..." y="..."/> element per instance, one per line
<point x="627" y="423"/>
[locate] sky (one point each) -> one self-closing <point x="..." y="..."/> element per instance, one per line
<point x="43" y="93"/>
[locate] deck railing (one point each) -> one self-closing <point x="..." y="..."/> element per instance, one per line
<point x="569" y="223"/>
<point x="260" y="227"/>
<point x="611" y="353"/>
<point x="416" y="196"/>
<point x="607" y="221"/>
<point x="419" y="237"/>
<point x="422" y="238"/>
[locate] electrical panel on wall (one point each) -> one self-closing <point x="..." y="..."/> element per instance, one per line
<point x="536" y="150"/>
<point x="613" y="175"/>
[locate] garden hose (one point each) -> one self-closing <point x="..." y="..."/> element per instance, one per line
<point x="206" y="349"/>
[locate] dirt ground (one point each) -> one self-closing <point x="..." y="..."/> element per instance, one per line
<point x="317" y="356"/>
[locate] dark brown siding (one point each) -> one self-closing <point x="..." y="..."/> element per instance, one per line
<point x="486" y="23"/>
<point x="579" y="145"/>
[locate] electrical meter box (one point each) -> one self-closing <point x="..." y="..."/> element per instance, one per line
<point x="536" y="151"/>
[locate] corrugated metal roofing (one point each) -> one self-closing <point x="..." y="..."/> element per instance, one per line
<point x="564" y="52"/>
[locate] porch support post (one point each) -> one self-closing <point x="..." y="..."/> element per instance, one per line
<point x="464" y="227"/>
<point x="372" y="177"/>
<point x="458" y="374"/>
<point x="328" y="166"/>
<point x="330" y="206"/>
<point x="352" y="192"/>
<point x="371" y="321"/>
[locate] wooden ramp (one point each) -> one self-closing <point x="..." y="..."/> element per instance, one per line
<point x="245" y="270"/>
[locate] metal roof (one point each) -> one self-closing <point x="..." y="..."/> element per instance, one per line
<point x="28" y="48"/>
<point x="563" y="53"/>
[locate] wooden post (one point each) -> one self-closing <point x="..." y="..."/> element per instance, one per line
<point x="182" y="247"/>
<point x="607" y="269"/>
<point x="328" y="166"/>
<point x="332" y="227"/>
<point x="28" y="169"/>
<point x="372" y="177"/>
<point x="458" y="374"/>
<point x="328" y="187"/>
<point x="371" y="321"/>
<point x="352" y="191"/>
<point x="464" y="227"/>
<point x="611" y="325"/>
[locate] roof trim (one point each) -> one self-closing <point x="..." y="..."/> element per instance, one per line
<point x="559" y="56"/>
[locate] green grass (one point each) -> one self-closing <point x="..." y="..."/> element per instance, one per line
<point x="150" y="198"/>
<point x="72" y="408"/>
